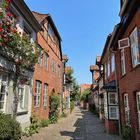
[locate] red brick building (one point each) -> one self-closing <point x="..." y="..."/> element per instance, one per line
<point x="84" y="86"/>
<point x="127" y="35"/>
<point x="109" y="91"/>
<point x="47" y="76"/>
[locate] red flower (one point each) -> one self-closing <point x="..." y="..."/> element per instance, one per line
<point x="9" y="15"/>
<point x="15" y="31"/>
<point x="6" y="40"/>
<point x="0" y="29"/>
<point x="8" y="1"/>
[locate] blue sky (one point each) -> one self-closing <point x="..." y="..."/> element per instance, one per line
<point x="83" y="26"/>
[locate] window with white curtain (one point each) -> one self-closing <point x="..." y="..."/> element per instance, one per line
<point x="3" y="91"/>
<point x="123" y="69"/>
<point x="37" y="94"/>
<point x="126" y="109"/>
<point x="135" y="53"/>
<point x="45" y="95"/>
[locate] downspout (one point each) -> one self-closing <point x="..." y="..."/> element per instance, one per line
<point x="117" y="89"/>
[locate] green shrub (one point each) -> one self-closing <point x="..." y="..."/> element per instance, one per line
<point x="71" y="106"/>
<point x="44" y="122"/>
<point x="126" y="132"/>
<point x="54" y="107"/>
<point x="9" y="128"/>
<point x="34" y="127"/>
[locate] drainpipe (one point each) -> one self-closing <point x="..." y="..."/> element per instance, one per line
<point x="117" y="88"/>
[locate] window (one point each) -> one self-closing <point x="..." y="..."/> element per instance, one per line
<point x="108" y="68"/>
<point x="53" y="66"/>
<point x="126" y="109"/>
<point x="113" y="63"/>
<point x="105" y="70"/>
<point x="3" y="90"/>
<point x="113" y="112"/>
<point x="59" y="72"/>
<point x="113" y="108"/>
<point x="134" y="48"/>
<point x="50" y="31"/>
<point x="37" y="94"/>
<point x="112" y="98"/>
<point x="40" y="56"/>
<point x="123" y="62"/>
<point x="45" y="95"/>
<point x="21" y="93"/>
<point x="105" y="105"/>
<point x="46" y="61"/>
<point x="138" y="106"/>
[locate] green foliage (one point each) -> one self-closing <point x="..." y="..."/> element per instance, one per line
<point x="12" y="43"/>
<point x="34" y="127"/>
<point x="127" y="132"/>
<point x="44" y="122"/>
<point x="54" y="107"/>
<point x="75" y="90"/>
<point x="71" y="106"/>
<point x="9" y="128"/>
<point x="94" y="110"/>
<point x="84" y="94"/>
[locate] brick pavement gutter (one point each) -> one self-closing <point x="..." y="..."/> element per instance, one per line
<point x="80" y="125"/>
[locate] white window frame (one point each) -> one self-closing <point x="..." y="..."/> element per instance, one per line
<point x="113" y="107"/>
<point x="105" y="70"/>
<point x="108" y="68"/>
<point x="37" y="94"/>
<point x="135" y="56"/>
<point x="45" y="97"/>
<point x="53" y="66"/>
<point x="113" y="63"/>
<point x="46" y="60"/>
<point x="105" y="105"/>
<point x="138" y="106"/>
<point x="40" y="57"/>
<point x="116" y="101"/>
<point x="21" y="92"/>
<point x="123" y="68"/>
<point x="5" y="83"/>
<point x="126" y="109"/>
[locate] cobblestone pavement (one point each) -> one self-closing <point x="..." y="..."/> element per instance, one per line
<point x="80" y="125"/>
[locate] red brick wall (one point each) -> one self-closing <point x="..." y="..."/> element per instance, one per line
<point x="129" y="83"/>
<point x="46" y="76"/>
<point x="84" y="86"/>
<point x="111" y="126"/>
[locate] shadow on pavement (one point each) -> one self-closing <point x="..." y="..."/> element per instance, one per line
<point x="80" y="130"/>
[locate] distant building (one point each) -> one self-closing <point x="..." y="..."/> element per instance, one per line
<point x="84" y="86"/>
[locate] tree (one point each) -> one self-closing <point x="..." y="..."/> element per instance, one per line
<point x="16" y="48"/>
<point x="73" y="84"/>
<point x="84" y="94"/>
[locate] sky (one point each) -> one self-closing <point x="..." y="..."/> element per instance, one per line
<point x="83" y="26"/>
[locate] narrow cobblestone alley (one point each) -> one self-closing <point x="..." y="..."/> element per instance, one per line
<point x="80" y="125"/>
